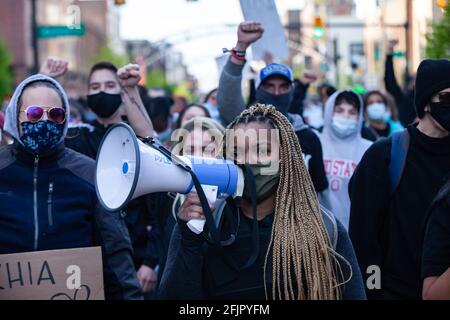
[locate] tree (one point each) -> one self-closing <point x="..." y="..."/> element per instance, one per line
<point x="6" y="79"/>
<point x="438" y="45"/>
<point x="156" y="78"/>
<point x="108" y="54"/>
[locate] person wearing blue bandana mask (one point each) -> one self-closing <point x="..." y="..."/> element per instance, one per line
<point x="380" y="121"/>
<point x="274" y="86"/>
<point x="47" y="192"/>
<point x="113" y="95"/>
<point x="343" y="147"/>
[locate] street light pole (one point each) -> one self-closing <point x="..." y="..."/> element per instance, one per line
<point x="336" y="58"/>
<point x="408" y="37"/>
<point x="34" y="36"/>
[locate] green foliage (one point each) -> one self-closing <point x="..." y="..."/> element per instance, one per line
<point x="6" y="78"/>
<point x="108" y="54"/>
<point x="156" y="78"/>
<point x="438" y="45"/>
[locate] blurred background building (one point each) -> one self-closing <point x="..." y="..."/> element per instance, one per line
<point x="345" y="40"/>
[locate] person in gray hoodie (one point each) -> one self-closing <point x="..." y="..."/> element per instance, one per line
<point x="274" y="86"/>
<point x="47" y="194"/>
<point x="343" y="147"/>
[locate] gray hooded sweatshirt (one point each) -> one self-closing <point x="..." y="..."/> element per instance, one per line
<point x="341" y="157"/>
<point x="11" y="123"/>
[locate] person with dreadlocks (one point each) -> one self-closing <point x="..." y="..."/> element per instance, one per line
<point x="283" y="245"/>
<point x="275" y="86"/>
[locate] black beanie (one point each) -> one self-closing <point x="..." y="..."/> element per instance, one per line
<point x="432" y="76"/>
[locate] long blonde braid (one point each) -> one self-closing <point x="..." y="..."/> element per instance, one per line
<point x="304" y="265"/>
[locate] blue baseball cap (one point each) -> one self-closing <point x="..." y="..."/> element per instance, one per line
<point x="274" y="69"/>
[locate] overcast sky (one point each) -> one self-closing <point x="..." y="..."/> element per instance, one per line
<point x="163" y="19"/>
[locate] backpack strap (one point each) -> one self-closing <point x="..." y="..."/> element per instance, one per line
<point x="399" y="151"/>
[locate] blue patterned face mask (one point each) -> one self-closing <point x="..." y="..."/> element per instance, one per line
<point x="41" y="137"/>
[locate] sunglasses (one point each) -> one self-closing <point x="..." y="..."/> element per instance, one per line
<point x="55" y="114"/>
<point x="444" y="97"/>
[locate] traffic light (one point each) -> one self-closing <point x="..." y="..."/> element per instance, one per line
<point x="119" y="2"/>
<point x="319" y="27"/>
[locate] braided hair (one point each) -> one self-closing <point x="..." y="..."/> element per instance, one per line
<point x="304" y="265"/>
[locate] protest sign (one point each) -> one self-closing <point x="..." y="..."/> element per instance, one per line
<point x="273" y="39"/>
<point x="69" y="274"/>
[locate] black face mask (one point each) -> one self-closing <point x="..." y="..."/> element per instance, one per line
<point x="440" y="111"/>
<point x="281" y="102"/>
<point x="104" y="104"/>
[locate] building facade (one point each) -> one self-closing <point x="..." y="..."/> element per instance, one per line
<point x="100" y="19"/>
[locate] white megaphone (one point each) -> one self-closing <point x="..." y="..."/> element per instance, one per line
<point x="127" y="168"/>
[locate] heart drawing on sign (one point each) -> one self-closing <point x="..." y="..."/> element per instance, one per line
<point x="82" y="293"/>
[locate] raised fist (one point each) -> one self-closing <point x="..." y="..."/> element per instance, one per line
<point x="129" y="75"/>
<point x="391" y="46"/>
<point x="308" y="77"/>
<point x="54" y="67"/>
<point x="248" y="32"/>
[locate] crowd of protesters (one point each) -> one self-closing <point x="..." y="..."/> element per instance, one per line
<point x="357" y="207"/>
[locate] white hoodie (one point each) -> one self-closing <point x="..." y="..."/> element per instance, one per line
<point x="341" y="157"/>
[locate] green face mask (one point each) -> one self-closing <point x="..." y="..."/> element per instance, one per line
<point x="266" y="181"/>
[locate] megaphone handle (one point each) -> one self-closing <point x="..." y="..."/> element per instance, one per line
<point x="196" y="225"/>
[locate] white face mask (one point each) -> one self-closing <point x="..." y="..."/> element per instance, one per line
<point x="314" y="116"/>
<point x="376" y="111"/>
<point x="344" y="127"/>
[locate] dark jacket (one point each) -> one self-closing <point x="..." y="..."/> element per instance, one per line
<point x="86" y="138"/>
<point x="300" y="91"/>
<point x="436" y="246"/>
<point x="140" y="215"/>
<point x="49" y="203"/>
<point x="386" y="227"/>
<point x="404" y="100"/>
<point x="197" y="270"/>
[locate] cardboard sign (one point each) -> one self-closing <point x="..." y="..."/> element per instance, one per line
<point x="70" y="274"/>
<point x="273" y="39"/>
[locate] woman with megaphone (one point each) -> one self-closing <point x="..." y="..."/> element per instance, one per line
<point x="279" y="243"/>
